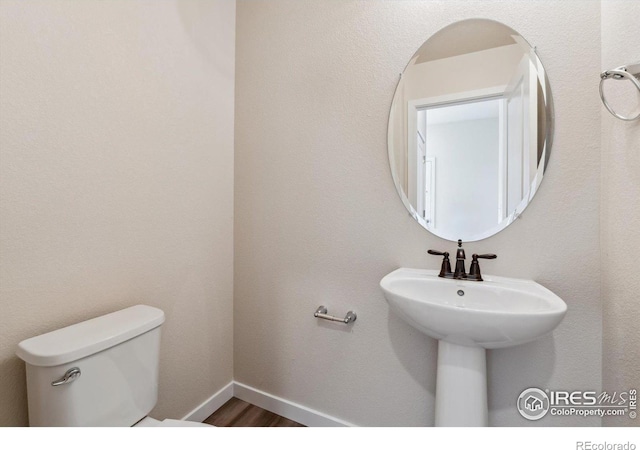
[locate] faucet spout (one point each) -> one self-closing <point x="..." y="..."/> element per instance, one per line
<point x="460" y="272"/>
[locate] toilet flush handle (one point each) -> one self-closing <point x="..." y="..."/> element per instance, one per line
<point x="68" y="377"/>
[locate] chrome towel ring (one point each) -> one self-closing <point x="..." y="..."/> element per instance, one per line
<point x="630" y="72"/>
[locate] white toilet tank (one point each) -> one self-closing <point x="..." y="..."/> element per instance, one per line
<point x="117" y="358"/>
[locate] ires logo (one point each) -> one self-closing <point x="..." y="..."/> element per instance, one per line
<point x="534" y="403"/>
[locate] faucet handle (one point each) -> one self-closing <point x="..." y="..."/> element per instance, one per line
<point x="474" y="270"/>
<point x="445" y="269"/>
<point x="485" y="256"/>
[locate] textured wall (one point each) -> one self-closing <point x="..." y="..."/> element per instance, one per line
<point x="318" y="220"/>
<point x="116" y="178"/>
<point x="620" y="214"/>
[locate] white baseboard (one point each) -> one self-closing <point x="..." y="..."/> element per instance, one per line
<point x="285" y="408"/>
<point x="211" y="405"/>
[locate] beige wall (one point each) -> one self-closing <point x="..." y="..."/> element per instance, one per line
<point x="116" y="178"/>
<point x="620" y="214"/>
<point x="318" y="220"/>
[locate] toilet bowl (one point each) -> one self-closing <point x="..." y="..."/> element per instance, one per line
<point x="100" y="372"/>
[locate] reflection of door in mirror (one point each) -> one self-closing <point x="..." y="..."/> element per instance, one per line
<point x="429" y="190"/>
<point x="519" y="165"/>
<point x="425" y="177"/>
<point x="484" y="142"/>
<point x="464" y="137"/>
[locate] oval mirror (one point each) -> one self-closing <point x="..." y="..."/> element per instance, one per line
<point x="470" y="130"/>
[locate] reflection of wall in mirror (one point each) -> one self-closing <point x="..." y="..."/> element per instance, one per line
<point x="468" y="72"/>
<point x="396" y="138"/>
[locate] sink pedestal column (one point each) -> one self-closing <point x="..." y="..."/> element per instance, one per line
<point x="461" y="386"/>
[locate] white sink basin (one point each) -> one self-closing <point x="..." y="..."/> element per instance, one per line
<point x="494" y="313"/>
<point x="468" y="317"/>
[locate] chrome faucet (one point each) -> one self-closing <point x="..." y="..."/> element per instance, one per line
<point x="460" y="271"/>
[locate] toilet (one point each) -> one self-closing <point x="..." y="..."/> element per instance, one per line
<point x="101" y="372"/>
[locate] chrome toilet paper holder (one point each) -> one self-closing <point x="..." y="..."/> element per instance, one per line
<point x="321" y="313"/>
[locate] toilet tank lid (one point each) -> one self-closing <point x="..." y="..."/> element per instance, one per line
<point x="91" y="336"/>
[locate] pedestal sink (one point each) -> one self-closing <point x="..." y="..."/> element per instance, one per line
<point x="468" y="317"/>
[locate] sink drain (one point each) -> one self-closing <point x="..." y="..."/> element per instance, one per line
<point x="460" y="292"/>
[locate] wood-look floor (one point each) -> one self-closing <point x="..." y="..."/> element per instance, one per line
<point x="237" y="413"/>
